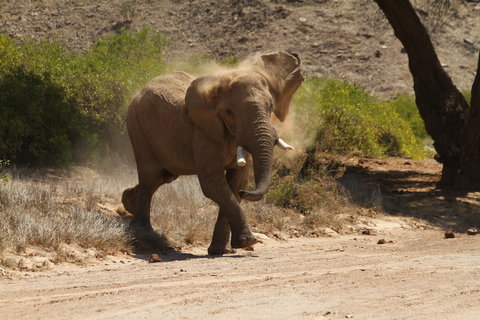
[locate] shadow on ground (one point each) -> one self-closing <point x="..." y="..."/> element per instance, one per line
<point x="177" y="255"/>
<point x="153" y="243"/>
<point x="403" y="187"/>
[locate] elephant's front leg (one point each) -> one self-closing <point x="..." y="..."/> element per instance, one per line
<point x="217" y="189"/>
<point x="210" y="170"/>
<point x="237" y="180"/>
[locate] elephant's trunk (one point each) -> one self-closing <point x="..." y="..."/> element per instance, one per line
<point x="261" y="148"/>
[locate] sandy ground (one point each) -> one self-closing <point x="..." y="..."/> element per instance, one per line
<point x="344" y="39"/>
<point x="417" y="274"/>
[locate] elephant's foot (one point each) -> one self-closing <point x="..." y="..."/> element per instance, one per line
<point x="122" y="212"/>
<point x="129" y="199"/>
<point x="147" y="239"/>
<point x="243" y="240"/>
<point x="214" y="251"/>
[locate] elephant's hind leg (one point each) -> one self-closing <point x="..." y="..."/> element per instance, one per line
<point x="145" y="237"/>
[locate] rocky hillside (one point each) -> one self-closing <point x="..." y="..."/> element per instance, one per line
<point x="340" y="38"/>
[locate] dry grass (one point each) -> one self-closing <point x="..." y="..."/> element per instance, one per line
<point x="45" y="214"/>
<point x="55" y="210"/>
<point x="182" y="213"/>
<point x="52" y="208"/>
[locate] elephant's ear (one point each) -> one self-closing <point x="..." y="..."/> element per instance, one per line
<point x="284" y="74"/>
<point x="202" y="101"/>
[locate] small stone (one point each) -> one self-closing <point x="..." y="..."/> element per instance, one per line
<point x="302" y="19"/>
<point x="381" y="241"/>
<point x="367" y="232"/>
<point x="449" y="235"/>
<point x="155" y="258"/>
<point x="472" y="231"/>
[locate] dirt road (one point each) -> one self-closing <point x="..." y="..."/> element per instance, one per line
<point x="419" y="275"/>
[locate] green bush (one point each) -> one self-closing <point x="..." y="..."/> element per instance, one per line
<point x="36" y="121"/>
<point x="406" y="108"/>
<point x="345" y="119"/>
<point x="57" y="106"/>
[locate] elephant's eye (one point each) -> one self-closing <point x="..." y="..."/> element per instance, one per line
<point x="229" y="112"/>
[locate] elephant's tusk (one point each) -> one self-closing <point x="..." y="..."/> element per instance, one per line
<point x="241" y="162"/>
<point x="284" y="146"/>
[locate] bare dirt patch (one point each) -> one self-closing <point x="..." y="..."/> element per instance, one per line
<point x="416" y="275"/>
<point x="345" y="39"/>
<point x="407" y="188"/>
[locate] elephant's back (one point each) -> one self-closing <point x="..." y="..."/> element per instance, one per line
<point x="170" y="88"/>
<point x="162" y="99"/>
<point x="156" y="118"/>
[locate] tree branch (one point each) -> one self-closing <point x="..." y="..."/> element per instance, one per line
<point x="440" y="103"/>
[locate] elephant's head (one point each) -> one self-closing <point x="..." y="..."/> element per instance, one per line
<point x="240" y="103"/>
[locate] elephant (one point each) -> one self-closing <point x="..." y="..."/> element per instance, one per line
<point x="181" y="125"/>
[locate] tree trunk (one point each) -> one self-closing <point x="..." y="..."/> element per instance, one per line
<point x="453" y="125"/>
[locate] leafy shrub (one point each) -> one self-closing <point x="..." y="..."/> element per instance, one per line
<point x="35" y="119"/>
<point x="406" y="108"/>
<point x="345" y="119"/>
<point x="57" y="106"/>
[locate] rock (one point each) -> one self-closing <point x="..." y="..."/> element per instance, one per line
<point x="154" y="258"/>
<point x="472" y="231"/>
<point x="302" y="19"/>
<point x="260" y="237"/>
<point x="381" y="241"/>
<point x="449" y="235"/>
<point x="367" y="232"/>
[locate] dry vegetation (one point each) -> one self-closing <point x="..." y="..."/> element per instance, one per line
<point x="59" y="216"/>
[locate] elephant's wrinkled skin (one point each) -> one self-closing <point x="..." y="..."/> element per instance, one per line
<point x="179" y="125"/>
